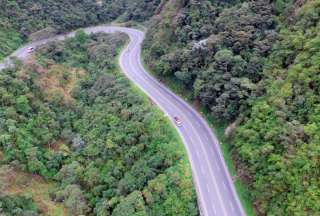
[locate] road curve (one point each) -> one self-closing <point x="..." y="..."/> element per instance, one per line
<point x="215" y="189"/>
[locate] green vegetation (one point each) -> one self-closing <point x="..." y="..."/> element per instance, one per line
<point x="218" y="129"/>
<point x="257" y="66"/>
<point x="10" y="40"/>
<point x="30" y="16"/>
<point x="17" y="205"/>
<point x="25" y="192"/>
<point x="226" y="72"/>
<point x="71" y="117"/>
<point x="33" y="19"/>
<point x="278" y="142"/>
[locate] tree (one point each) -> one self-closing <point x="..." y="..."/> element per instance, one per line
<point x="74" y="200"/>
<point x="133" y="204"/>
<point x="22" y="104"/>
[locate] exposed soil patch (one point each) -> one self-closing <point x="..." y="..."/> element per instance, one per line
<point x="17" y="182"/>
<point x="57" y="145"/>
<point x="58" y="82"/>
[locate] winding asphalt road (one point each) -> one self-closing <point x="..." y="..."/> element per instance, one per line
<point x="215" y="189"/>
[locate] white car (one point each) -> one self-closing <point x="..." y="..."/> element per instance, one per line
<point x="30" y="49"/>
<point x="177" y="121"/>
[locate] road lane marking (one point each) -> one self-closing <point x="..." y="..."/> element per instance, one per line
<point x="204" y="207"/>
<point x="232" y="208"/>
<point x="224" y="185"/>
<point x="216" y="144"/>
<point x="218" y="167"/>
<point x="156" y="92"/>
<point x="212" y="206"/>
<point x="162" y="94"/>
<point x="205" y="155"/>
<point x="214" y="210"/>
<point x="207" y="138"/>
<point x="208" y="187"/>
<point x="198" y="124"/>
<point x="202" y="169"/>
<point x="198" y="153"/>
<point x="198" y="137"/>
<point x="135" y="38"/>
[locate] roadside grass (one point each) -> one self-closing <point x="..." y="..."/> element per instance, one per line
<point x="17" y="182"/>
<point x="218" y="128"/>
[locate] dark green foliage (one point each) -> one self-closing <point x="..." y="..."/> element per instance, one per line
<point x="20" y="19"/>
<point x="9" y="40"/>
<point x="30" y="16"/>
<point x="217" y="52"/>
<point x="118" y="161"/>
<point x="138" y="10"/>
<point x="17" y="205"/>
<point x="117" y="148"/>
<point x="279" y="141"/>
<point x="133" y="204"/>
<point x="276" y="90"/>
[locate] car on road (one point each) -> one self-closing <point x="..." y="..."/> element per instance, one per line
<point x="30" y="49"/>
<point x="177" y="121"/>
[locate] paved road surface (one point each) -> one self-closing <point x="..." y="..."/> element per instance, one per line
<point x="215" y="189"/>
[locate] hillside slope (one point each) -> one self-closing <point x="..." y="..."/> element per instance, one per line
<point x="70" y="116"/>
<point x="278" y="142"/>
<point x="251" y="63"/>
<point x="226" y="69"/>
<point x="32" y="19"/>
<point x="256" y="64"/>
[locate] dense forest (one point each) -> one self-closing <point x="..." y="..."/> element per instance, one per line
<point x="278" y="142"/>
<point x="71" y="117"/>
<point x="216" y="50"/>
<point x="20" y="20"/>
<point x="254" y="63"/>
<point x="251" y="63"/>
